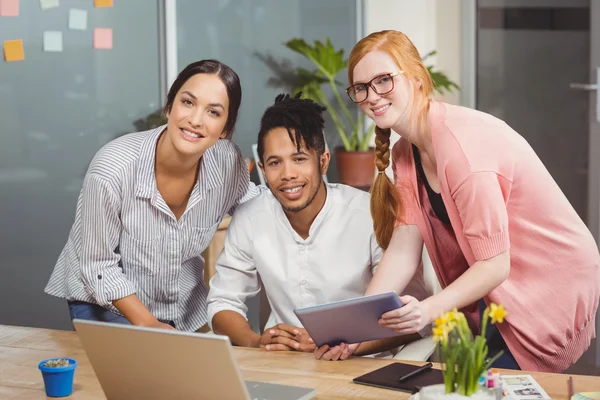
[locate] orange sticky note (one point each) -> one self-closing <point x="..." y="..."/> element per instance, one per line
<point x="103" y="38"/>
<point x="9" y="8"/>
<point x="13" y="50"/>
<point x="103" y="3"/>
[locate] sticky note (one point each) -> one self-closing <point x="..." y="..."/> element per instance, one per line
<point x="9" y="8"/>
<point x="103" y="38"/>
<point x="103" y="3"/>
<point x="77" y="19"/>
<point x="49" y="4"/>
<point x="13" y="50"/>
<point x="53" y="41"/>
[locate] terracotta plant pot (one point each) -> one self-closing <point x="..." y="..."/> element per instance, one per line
<point x="356" y="168"/>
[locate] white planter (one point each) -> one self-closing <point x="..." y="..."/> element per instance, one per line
<point x="438" y="392"/>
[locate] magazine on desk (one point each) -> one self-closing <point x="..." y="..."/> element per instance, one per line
<point x="522" y="387"/>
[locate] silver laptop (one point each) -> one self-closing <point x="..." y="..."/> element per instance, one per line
<point x="133" y="362"/>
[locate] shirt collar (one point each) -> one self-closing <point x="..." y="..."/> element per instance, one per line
<point x="319" y="220"/>
<point x="209" y="168"/>
<point x="146" y="181"/>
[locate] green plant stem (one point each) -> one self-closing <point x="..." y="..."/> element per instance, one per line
<point x="337" y="95"/>
<point x="336" y="121"/>
<point x="484" y="321"/>
<point x="336" y="92"/>
<point x="365" y="141"/>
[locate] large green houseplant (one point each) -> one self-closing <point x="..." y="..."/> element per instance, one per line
<point x="329" y="62"/>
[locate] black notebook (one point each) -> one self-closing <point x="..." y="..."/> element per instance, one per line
<point x="388" y="378"/>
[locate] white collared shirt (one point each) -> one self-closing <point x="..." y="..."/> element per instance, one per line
<point x="336" y="261"/>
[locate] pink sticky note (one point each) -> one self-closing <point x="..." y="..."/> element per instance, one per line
<point x="9" y="8"/>
<point x="103" y="38"/>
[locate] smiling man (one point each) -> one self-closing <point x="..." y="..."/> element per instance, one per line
<point x="309" y="242"/>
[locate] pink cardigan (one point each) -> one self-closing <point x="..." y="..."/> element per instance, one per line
<point x="499" y="196"/>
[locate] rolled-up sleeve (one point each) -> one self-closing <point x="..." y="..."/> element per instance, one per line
<point x="236" y="277"/>
<point x="100" y="232"/>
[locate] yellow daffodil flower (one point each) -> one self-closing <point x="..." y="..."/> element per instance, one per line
<point x="442" y="320"/>
<point x="497" y="313"/>
<point x="457" y="346"/>
<point x="440" y="334"/>
<point x="454" y="315"/>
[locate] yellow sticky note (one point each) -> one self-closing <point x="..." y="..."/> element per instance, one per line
<point x="103" y="38"/>
<point x="103" y="3"/>
<point x="13" y="50"/>
<point x="9" y="8"/>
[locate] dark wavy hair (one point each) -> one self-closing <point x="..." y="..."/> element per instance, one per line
<point x="229" y="78"/>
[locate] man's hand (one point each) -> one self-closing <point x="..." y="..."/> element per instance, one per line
<point x="339" y="352"/>
<point x="283" y="337"/>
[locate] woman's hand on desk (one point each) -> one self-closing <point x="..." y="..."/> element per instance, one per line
<point x="283" y="337"/>
<point x="137" y="313"/>
<point x="340" y="352"/>
<point x="160" y="325"/>
<point x="410" y="318"/>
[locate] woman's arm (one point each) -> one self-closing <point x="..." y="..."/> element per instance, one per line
<point x="136" y="312"/>
<point x="477" y="282"/>
<point x="396" y="268"/>
<point x="100" y="269"/>
<point x="399" y="262"/>
<point x="480" y="199"/>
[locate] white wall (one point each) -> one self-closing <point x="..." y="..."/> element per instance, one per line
<point x="430" y="25"/>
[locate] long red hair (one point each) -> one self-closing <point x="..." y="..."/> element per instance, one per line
<point x="386" y="204"/>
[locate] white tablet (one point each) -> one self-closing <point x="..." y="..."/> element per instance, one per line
<point x="349" y="321"/>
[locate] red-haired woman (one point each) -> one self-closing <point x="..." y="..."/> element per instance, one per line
<point x="496" y="225"/>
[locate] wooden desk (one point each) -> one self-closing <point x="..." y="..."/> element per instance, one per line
<point x="21" y="349"/>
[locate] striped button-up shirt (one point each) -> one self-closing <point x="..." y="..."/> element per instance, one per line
<point x="125" y="238"/>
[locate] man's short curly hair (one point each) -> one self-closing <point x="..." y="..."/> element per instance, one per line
<point x="303" y="119"/>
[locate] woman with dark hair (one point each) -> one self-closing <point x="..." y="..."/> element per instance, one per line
<point x="150" y="204"/>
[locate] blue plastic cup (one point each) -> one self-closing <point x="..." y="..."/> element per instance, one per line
<point x="58" y="381"/>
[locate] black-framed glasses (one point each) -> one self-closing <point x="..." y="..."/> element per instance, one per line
<point x="381" y="84"/>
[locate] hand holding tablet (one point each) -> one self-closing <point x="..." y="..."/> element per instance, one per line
<point x="349" y="321"/>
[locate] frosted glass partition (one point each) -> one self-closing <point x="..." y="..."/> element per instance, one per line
<point x="57" y="109"/>
<point x="242" y="33"/>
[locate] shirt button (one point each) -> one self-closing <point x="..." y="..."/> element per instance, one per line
<point x="99" y="276"/>
<point x="303" y="281"/>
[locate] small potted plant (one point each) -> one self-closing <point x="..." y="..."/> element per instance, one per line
<point x="464" y="357"/>
<point x="58" y="376"/>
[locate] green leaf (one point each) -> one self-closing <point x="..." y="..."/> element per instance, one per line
<point x="430" y="54"/>
<point x="441" y="82"/>
<point x="328" y="60"/>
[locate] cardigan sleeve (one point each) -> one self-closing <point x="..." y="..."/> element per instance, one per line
<point x="404" y="180"/>
<point x="481" y="205"/>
